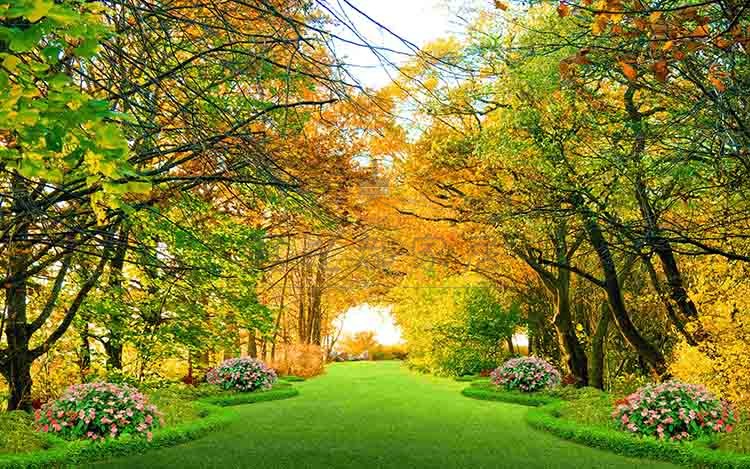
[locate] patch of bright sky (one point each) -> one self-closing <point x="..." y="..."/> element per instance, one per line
<point x="371" y="318"/>
<point x="396" y="27"/>
<point x="417" y="21"/>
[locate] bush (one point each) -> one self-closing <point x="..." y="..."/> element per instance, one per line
<point x="242" y="374"/>
<point x="303" y="360"/>
<point x="526" y="374"/>
<point x="389" y="352"/>
<point x="17" y="433"/>
<point x="674" y="410"/>
<point x="97" y="411"/>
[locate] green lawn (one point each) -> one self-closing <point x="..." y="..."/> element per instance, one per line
<point x="380" y="415"/>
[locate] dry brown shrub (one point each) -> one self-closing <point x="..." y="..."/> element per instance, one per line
<point x="303" y="360"/>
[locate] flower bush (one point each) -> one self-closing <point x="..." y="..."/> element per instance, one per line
<point x="526" y="374"/>
<point x="242" y="374"/>
<point x="98" y="411"/>
<point x="675" y="411"/>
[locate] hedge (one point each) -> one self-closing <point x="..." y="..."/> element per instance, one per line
<point x="490" y="392"/>
<point x="694" y="454"/>
<point x="278" y="392"/>
<point x="292" y="379"/>
<point x="214" y="415"/>
<point x="545" y="416"/>
<point x="466" y="378"/>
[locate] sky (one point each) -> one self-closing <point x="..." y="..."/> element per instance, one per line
<point x="418" y="21"/>
<point x="371" y="318"/>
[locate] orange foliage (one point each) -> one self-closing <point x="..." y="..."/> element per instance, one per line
<point x="305" y="360"/>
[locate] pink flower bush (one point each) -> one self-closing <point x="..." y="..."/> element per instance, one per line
<point x="675" y="411"/>
<point x="97" y="411"/>
<point x="242" y="374"/>
<point x="526" y="374"/>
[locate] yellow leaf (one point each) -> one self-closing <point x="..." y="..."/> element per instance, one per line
<point x="11" y="62"/>
<point x="668" y="45"/>
<point x="41" y="8"/>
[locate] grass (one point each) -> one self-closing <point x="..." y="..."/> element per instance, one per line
<point x="17" y="434"/>
<point x="380" y="415"/>
<point x="189" y="413"/>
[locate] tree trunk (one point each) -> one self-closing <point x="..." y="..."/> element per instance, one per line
<point x="85" y="349"/>
<point x="596" y="375"/>
<point x="316" y="299"/>
<point x="113" y="347"/>
<point x="573" y="352"/>
<point x="252" y="345"/>
<point x="650" y="354"/>
<point x="17" y="368"/>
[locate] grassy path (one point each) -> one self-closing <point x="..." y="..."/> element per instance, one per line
<point x="379" y="415"/>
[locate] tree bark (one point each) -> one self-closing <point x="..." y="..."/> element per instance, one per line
<point x="252" y="345"/>
<point x="17" y="368"/>
<point x="114" y="345"/>
<point x="650" y="354"/>
<point x="596" y="375"/>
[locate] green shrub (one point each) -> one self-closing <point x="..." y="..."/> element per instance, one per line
<point x="696" y="454"/>
<point x="17" y="434"/>
<point x="489" y="392"/>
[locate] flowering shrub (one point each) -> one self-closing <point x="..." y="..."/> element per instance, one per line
<point x="98" y="410"/>
<point x="526" y="374"/>
<point x="242" y="374"/>
<point x="674" y="410"/>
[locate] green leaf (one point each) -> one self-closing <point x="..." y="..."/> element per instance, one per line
<point x="88" y="48"/>
<point x="110" y="137"/>
<point x="52" y="53"/>
<point x="26" y="39"/>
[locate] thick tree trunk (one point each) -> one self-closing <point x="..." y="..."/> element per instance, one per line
<point x="17" y="369"/>
<point x="113" y="347"/>
<point x="19" y="381"/>
<point x="316" y="299"/>
<point x="650" y="354"/>
<point x="573" y="351"/>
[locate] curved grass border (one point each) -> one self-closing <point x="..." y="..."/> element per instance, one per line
<point x="274" y="394"/>
<point x="292" y="379"/>
<point x="692" y="454"/>
<point x="484" y="392"/>
<point x="214" y="414"/>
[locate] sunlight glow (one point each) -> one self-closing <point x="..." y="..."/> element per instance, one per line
<point x="371" y="318"/>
